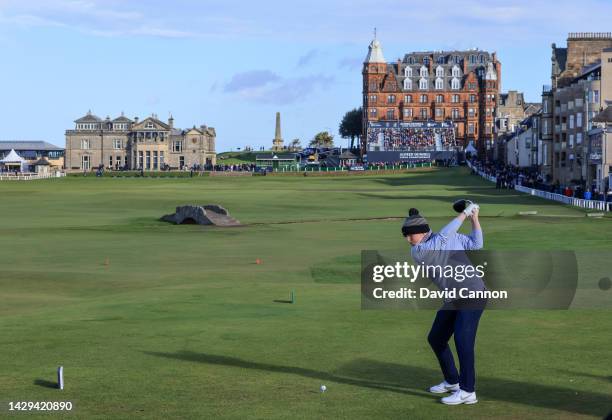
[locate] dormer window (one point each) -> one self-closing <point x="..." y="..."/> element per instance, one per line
<point x="472" y="59"/>
<point x="439" y="84"/>
<point x="441" y="59"/>
<point x="408" y="72"/>
<point x="455" y="85"/>
<point x="423" y="84"/>
<point x="439" y="71"/>
<point x="482" y="59"/>
<point x="456" y="71"/>
<point x="407" y="84"/>
<point x="426" y="61"/>
<point x="424" y="72"/>
<point x="149" y="125"/>
<point x="411" y="60"/>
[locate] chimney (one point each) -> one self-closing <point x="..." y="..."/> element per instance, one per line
<point x="135" y="120"/>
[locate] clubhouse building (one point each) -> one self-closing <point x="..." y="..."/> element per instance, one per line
<point x="149" y="144"/>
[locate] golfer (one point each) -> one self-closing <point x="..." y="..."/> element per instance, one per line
<point x="458" y="317"/>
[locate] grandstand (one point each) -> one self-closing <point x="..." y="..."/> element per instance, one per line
<point x="411" y="137"/>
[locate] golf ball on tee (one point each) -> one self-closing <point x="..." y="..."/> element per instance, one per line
<point x="323" y="388"/>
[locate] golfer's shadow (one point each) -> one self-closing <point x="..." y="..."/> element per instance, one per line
<point x="412" y="380"/>
<point x="308" y="373"/>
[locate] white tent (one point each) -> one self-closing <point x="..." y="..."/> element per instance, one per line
<point x="13" y="159"/>
<point x="470" y="148"/>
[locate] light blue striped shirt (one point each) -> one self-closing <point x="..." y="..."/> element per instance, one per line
<point x="441" y="249"/>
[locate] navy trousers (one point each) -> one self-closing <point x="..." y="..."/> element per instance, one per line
<point x="463" y="323"/>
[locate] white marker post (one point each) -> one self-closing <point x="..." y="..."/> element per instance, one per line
<point x="60" y="377"/>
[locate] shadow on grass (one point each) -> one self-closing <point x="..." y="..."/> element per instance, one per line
<point x="281" y="301"/>
<point x="45" y="383"/>
<point x="412" y="380"/>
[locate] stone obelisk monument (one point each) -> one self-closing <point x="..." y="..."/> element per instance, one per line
<point x="277" y="143"/>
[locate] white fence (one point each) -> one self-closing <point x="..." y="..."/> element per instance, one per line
<point x="572" y="201"/>
<point x="27" y="176"/>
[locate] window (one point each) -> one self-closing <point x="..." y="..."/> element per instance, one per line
<point x="472" y="59"/>
<point x="155" y="160"/>
<point x="85" y="162"/>
<point x="423" y="84"/>
<point x="545" y="106"/>
<point x="439" y="99"/>
<point x="579" y="120"/>
<point x="181" y="162"/>
<point x="423" y="99"/>
<point x="471" y="85"/>
<point x="456" y="72"/>
<point x="408" y="112"/>
<point x="571" y="140"/>
<point x="140" y="160"/>
<point x="424" y="113"/>
<point x="149" y="125"/>
<point x="178" y="146"/>
<point x="439" y="71"/>
<point x="408" y="99"/>
<point x="411" y="61"/>
<point x="161" y="158"/>
<point x="571" y="121"/>
<point x="407" y="84"/>
<point x="441" y="59"/>
<point x="408" y="71"/>
<point x="423" y="72"/>
<point x="148" y="161"/>
<point x="426" y="61"/>
<point x="455" y="113"/>
<point x="439" y="84"/>
<point x="373" y="86"/>
<point x="481" y="58"/>
<point x="472" y="114"/>
<point x="390" y="114"/>
<point x="579" y="138"/>
<point x="471" y="128"/>
<point x="472" y="98"/>
<point x="596" y="96"/>
<point x="391" y="99"/>
<point x="455" y="85"/>
<point x="373" y="99"/>
<point x="117" y="144"/>
<point x="372" y="114"/>
<point x="85" y="144"/>
<point x="110" y="161"/>
<point x="439" y="112"/>
<point x="455" y="99"/>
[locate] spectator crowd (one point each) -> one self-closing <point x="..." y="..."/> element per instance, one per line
<point x="507" y="176"/>
<point x="413" y="139"/>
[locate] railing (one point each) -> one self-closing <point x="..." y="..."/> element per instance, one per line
<point x="30" y="176"/>
<point x="572" y="201"/>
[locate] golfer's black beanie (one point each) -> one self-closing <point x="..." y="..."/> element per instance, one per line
<point x="414" y="223"/>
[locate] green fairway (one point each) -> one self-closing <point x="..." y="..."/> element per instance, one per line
<point x="152" y="320"/>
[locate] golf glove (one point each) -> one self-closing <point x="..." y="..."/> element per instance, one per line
<point x="470" y="209"/>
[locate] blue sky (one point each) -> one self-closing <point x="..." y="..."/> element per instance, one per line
<point x="232" y="64"/>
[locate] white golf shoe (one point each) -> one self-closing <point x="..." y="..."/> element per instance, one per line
<point x="460" y="397"/>
<point x="443" y="388"/>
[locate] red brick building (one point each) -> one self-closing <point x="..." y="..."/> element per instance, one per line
<point x="461" y="87"/>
